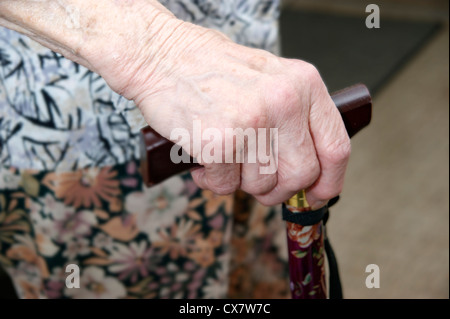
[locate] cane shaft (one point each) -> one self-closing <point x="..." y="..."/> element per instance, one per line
<point x="306" y="245"/>
<point x="306" y="261"/>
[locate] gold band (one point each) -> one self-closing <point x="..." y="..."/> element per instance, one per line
<point x="298" y="200"/>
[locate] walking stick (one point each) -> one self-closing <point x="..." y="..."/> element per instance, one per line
<point x="306" y="234"/>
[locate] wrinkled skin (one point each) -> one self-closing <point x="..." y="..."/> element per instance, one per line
<point x="177" y="72"/>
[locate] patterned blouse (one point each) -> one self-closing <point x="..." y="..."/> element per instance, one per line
<point x="71" y="193"/>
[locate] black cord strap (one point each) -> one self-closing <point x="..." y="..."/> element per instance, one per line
<point x="308" y="218"/>
<point x="335" y="280"/>
<point x="311" y="218"/>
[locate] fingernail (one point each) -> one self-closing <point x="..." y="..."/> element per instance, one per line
<point x="319" y="204"/>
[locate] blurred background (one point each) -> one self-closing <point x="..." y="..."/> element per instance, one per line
<point x="394" y="210"/>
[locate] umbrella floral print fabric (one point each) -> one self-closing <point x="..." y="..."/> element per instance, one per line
<point x="71" y="191"/>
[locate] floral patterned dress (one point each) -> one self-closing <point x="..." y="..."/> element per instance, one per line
<point x="71" y="192"/>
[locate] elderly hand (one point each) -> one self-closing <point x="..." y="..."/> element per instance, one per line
<point x="178" y="73"/>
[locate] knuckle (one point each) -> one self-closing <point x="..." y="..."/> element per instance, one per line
<point x="304" y="177"/>
<point x="311" y="73"/>
<point x="266" y="201"/>
<point x="260" y="186"/>
<point x="221" y="188"/>
<point x="309" y="79"/>
<point x="328" y="192"/>
<point x="282" y="93"/>
<point x="307" y="71"/>
<point x="338" y="152"/>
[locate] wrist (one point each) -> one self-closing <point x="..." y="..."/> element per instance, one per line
<point x="158" y="60"/>
<point x="139" y="53"/>
<point x="122" y="55"/>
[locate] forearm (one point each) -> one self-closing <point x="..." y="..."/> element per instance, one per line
<point x="178" y="73"/>
<point x="103" y="35"/>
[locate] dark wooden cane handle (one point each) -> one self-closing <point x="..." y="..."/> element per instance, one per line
<point x="354" y="104"/>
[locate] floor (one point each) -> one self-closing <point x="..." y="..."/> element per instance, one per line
<point x="394" y="210"/>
